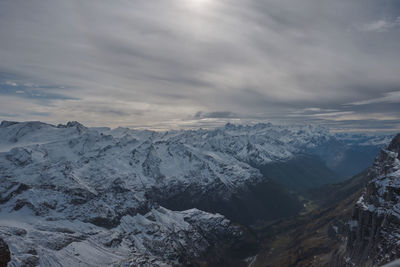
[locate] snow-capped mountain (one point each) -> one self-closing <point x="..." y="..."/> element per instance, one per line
<point x="97" y="190"/>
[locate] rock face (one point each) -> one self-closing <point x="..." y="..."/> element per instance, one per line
<point x="4" y="253"/>
<point x="374" y="236"/>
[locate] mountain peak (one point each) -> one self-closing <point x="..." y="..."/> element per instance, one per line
<point x="72" y="124"/>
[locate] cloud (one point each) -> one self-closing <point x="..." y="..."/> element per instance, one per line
<point x="43" y="93"/>
<point x="10" y="83"/>
<point x="44" y="114"/>
<point x="381" y="25"/>
<point x="215" y="114"/>
<point x="329" y="115"/>
<point x="390" y="97"/>
<point x="156" y="63"/>
<point x="8" y="115"/>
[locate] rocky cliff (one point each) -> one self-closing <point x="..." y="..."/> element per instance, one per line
<point x="374" y="236"/>
<point x="5" y="256"/>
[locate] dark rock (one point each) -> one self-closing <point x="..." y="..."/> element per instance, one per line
<point x="105" y="222"/>
<point x="395" y="144"/>
<point x="373" y="236"/>
<point x="30" y="261"/>
<point x="5" y="255"/>
<point x="19" y="156"/>
<point x="18" y="231"/>
<point x="19" y="204"/>
<point x="19" y="189"/>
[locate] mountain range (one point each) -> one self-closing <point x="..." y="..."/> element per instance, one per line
<point x="91" y="196"/>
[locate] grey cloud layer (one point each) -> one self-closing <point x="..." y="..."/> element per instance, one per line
<point x="158" y="63"/>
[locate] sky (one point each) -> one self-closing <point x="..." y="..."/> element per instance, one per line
<point x="164" y="64"/>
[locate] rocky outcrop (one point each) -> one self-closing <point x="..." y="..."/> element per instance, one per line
<point x="395" y="145"/>
<point x="5" y="256"/>
<point x="374" y="229"/>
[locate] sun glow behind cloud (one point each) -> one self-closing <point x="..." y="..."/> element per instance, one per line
<point x="198" y="4"/>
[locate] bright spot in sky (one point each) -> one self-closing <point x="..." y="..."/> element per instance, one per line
<point x="199" y="4"/>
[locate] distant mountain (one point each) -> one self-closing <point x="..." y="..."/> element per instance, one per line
<point x="70" y="188"/>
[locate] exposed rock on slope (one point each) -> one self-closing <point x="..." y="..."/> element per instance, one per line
<point x="4" y="253"/>
<point x="374" y="237"/>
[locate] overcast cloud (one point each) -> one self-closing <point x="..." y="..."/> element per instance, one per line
<point x="201" y="63"/>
